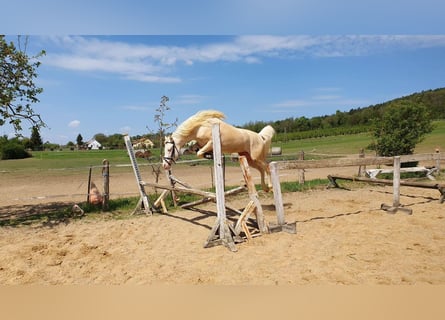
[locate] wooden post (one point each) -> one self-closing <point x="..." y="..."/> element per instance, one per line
<point x="279" y="207"/>
<point x="106" y="177"/>
<point x="225" y="236"/>
<point x="89" y="185"/>
<point x="396" y="182"/>
<point x="396" y="191"/>
<point x="301" y="177"/>
<point x="438" y="161"/>
<point x="361" y="169"/>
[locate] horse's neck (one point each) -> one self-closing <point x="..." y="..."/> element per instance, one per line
<point x="179" y="140"/>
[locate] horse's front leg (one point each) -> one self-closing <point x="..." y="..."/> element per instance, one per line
<point x="206" y="148"/>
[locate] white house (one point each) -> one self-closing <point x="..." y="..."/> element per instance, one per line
<point x="93" y="144"/>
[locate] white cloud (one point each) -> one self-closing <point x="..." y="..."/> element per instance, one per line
<point x="74" y="124"/>
<point x="155" y="63"/>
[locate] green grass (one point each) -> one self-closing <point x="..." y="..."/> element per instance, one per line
<point x="351" y="144"/>
<point x="347" y="144"/>
<point x="434" y="139"/>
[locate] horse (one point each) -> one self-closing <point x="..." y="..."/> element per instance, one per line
<point x="254" y="146"/>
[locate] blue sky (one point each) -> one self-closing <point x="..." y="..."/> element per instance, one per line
<point x="290" y="59"/>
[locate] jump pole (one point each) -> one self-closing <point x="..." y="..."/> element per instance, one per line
<point x="281" y="224"/>
<point x="143" y="202"/>
<point x="221" y="225"/>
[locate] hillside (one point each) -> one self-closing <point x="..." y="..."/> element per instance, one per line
<point x="353" y="121"/>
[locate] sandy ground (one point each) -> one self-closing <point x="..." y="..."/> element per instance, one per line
<point x="343" y="237"/>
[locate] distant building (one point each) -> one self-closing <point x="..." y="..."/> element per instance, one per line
<point x="93" y="144"/>
<point x="143" y="143"/>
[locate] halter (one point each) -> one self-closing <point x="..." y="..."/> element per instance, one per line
<point x="171" y="158"/>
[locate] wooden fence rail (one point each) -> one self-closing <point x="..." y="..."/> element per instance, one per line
<point x="351" y="162"/>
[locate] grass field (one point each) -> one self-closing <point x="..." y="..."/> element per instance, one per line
<point x="351" y="144"/>
<point x="49" y="161"/>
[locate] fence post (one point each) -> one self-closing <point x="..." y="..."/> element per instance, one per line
<point x="106" y="177"/>
<point x="89" y="185"/>
<point x="221" y="224"/>
<point x="396" y="182"/>
<point x="361" y="169"/>
<point x="301" y="177"/>
<point x="396" y="191"/>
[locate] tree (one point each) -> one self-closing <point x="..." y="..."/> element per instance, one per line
<point x="162" y="129"/>
<point x="402" y="126"/>
<point x="17" y="88"/>
<point x="79" y="140"/>
<point x="101" y="138"/>
<point x="12" y="149"/>
<point x="35" y="141"/>
<point x="159" y="119"/>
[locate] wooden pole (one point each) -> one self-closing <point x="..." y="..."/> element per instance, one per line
<point x="219" y="179"/>
<point x="396" y="191"/>
<point x="361" y="169"/>
<point x="279" y="207"/>
<point x="89" y="185"/>
<point x="225" y="236"/>
<point x="396" y="182"/>
<point x="301" y="177"/>
<point x="144" y="201"/>
<point x="106" y="177"/>
<point x="281" y="225"/>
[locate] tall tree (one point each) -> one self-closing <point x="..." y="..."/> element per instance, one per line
<point x="35" y="141"/>
<point x="403" y="125"/>
<point x="17" y="88"/>
<point x="163" y="127"/>
<point x="79" y="140"/>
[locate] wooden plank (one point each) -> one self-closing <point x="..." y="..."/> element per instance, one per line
<point x="328" y="163"/>
<point x="415" y="184"/>
<point x="179" y="189"/>
<point x="208" y="199"/>
<point x="346" y="162"/>
<point x="422" y="157"/>
<point x="144" y="198"/>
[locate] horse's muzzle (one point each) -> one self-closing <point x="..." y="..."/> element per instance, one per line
<point x="165" y="165"/>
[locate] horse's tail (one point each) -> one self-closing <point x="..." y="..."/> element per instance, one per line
<point x="267" y="133"/>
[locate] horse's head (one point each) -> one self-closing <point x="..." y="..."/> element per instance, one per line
<point x="171" y="153"/>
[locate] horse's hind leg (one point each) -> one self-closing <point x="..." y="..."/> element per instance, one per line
<point x="263" y="168"/>
<point x="206" y="148"/>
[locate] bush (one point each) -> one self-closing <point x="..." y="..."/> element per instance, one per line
<point x="13" y="150"/>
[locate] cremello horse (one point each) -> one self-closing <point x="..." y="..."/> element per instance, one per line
<point x="254" y="146"/>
